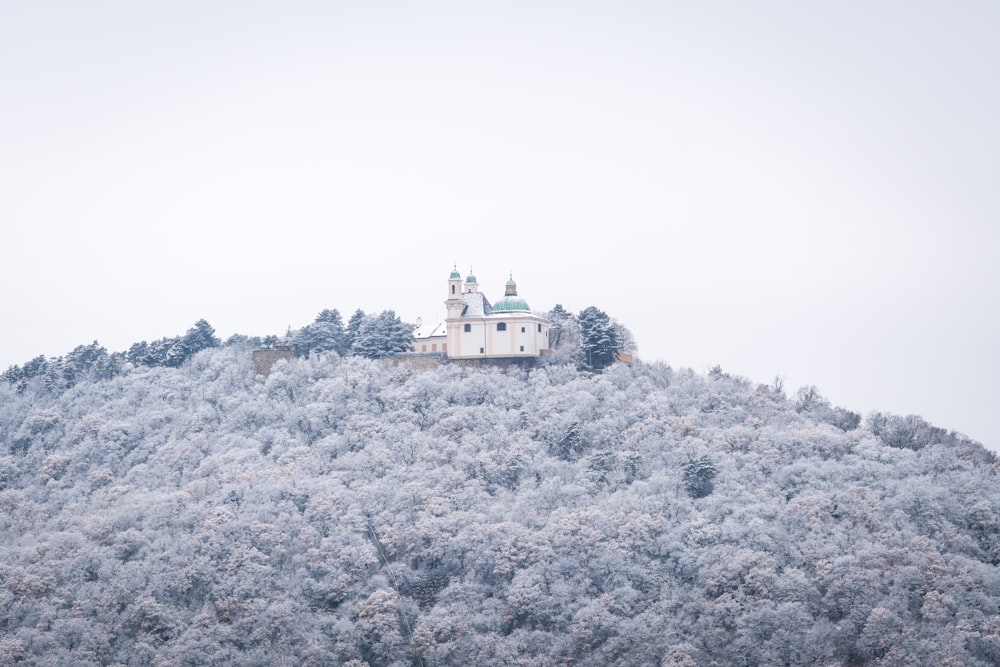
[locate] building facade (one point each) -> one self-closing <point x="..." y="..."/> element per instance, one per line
<point x="476" y="329"/>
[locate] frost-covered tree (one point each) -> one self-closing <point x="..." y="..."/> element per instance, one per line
<point x="199" y="337"/>
<point x="352" y="511"/>
<point x="699" y="476"/>
<point x="382" y="335"/>
<point x="564" y="336"/>
<point x="909" y="432"/>
<point x="325" y="334"/>
<point x="176" y="350"/>
<point x="626" y="341"/>
<point x="599" y="338"/>
<point x="352" y="329"/>
<point x="83" y="361"/>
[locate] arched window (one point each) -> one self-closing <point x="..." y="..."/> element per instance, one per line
<point x="501" y="326"/>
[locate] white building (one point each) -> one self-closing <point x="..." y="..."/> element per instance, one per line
<point x="476" y="329"/>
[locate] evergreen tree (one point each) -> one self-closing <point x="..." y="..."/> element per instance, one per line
<point x="14" y="375"/>
<point x="138" y="353"/>
<point x="699" y="476"/>
<point x="325" y="334"/>
<point x="242" y="340"/>
<point x="600" y="338"/>
<point x="35" y="367"/>
<point x="559" y="314"/>
<point x="170" y="352"/>
<point x="83" y="362"/>
<point x="351" y="333"/>
<point x="175" y="351"/>
<point x="199" y="337"/>
<point x="382" y="335"/>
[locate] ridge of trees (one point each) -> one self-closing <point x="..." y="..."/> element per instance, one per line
<point x="591" y="339"/>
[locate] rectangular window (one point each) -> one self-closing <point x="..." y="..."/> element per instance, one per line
<point x="522" y="329"/>
<point x="434" y="347"/>
<point x="423" y="348"/>
<point x="482" y="351"/>
<point x="539" y="328"/>
<point x="501" y="326"/>
<point x="467" y="328"/>
<point x="522" y="348"/>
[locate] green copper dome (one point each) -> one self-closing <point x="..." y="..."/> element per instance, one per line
<point x="455" y="275"/>
<point x="471" y="279"/>
<point x="511" y="304"/>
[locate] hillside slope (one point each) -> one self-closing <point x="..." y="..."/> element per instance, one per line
<point x="349" y="510"/>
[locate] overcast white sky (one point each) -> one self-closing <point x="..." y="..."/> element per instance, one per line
<point x="783" y="188"/>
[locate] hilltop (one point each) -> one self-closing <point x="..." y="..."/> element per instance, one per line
<point x="352" y="511"/>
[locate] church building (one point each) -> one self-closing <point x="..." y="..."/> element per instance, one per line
<point x="476" y="329"/>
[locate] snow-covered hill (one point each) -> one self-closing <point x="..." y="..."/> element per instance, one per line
<point x="347" y="511"/>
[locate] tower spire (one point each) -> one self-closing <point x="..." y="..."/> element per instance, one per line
<point x="511" y="286"/>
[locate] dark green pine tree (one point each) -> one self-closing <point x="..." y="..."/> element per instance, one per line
<point x="84" y="361"/>
<point x="326" y="334"/>
<point x="382" y="335"/>
<point x="199" y="337"/>
<point x="600" y="339"/>
<point x="699" y="477"/>
<point x="351" y="332"/>
<point x="559" y="314"/>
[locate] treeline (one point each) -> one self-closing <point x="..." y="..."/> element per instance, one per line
<point x="591" y="339"/>
<point x="355" y="512"/>
<point x="371" y="336"/>
<point x="93" y="362"/>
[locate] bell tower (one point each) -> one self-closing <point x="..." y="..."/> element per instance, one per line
<point x="454" y="301"/>
<point x="471" y="284"/>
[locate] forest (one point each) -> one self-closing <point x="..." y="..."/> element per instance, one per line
<point x="348" y="510"/>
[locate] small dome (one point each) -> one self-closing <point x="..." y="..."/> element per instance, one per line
<point x="511" y="288"/>
<point x="455" y="275"/>
<point x="511" y="304"/>
<point x="471" y="279"/>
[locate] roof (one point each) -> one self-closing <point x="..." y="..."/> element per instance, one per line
<point x="511" y="304"/>
<point x="476" y="304"/>
<point x="430" y="331"/>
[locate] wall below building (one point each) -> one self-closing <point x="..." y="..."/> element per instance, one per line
<point x="423" y="362"/>
<point x="264" y="360"/>
<point x="418" y="361"/>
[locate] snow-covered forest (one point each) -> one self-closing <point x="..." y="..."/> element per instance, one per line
<point x="353" y="511"/>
